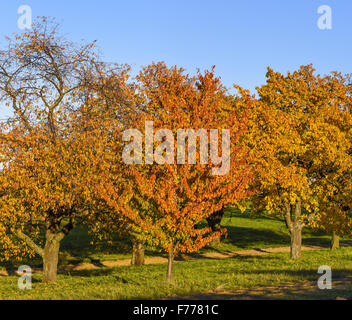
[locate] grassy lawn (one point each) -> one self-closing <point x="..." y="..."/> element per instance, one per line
<point x="191" y="277"/>
<point x="244" y="233"/>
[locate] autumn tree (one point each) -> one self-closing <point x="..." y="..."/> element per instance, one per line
<point x="299" y="134"/>
<point x="114" y="99"/>
<point x="46" y="146"/>
<point x="334" y="219"/>
<point x="164" y="197"/>
<point x="335" y="189"/>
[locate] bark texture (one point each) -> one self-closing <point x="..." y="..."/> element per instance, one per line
<point x="335" y="241"/>
<point x="137" y="253"/>
<point x="51" y="256"/>
<point x="296" y="242"/>
<point x="170" y="262"/>
<point x="295" y="226"/>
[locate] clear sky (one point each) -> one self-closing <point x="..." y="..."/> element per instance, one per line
<point x="241" y="38"/>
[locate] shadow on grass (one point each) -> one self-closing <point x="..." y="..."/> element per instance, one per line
<point x="103" y="272"/>
<point x="279" y="293"/>
<point x="301" y="284"/>
<point x="244" y="238"/>
<point x="247" y="238"/>
<point x="106" y="271"/>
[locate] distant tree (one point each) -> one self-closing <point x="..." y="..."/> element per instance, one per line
<point x="298" y="133"/>
<point x="114" y="99"/>
<point x="335" y="188"/>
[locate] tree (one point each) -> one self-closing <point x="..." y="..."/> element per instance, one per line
<point x="115" y="100"/>
<point x="333" y="218"/>
<point x="47" y="146"/>
<point x="164" y="200"/>
<point x="335" y="185"/>
<point x="43" y="190"/>
<point x="299" y="137"/>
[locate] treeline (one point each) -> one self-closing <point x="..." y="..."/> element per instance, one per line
<point x="75" y="117"/>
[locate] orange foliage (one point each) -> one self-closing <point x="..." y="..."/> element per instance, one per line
<point x="165" y="203"/>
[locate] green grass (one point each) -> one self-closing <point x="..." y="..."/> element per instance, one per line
<point x="244" y="233"/>
<point x="190" y="277"/>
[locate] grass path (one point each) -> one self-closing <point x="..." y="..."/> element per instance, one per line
<point x="251" y="263"/>
<point x="207" y="255"/>
<point x="159" y="260"/>
<point x="265" y="275"/>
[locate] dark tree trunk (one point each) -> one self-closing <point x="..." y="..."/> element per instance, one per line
<point x="51" y="256"/>
<point x="137" y="253"/>
<point x="296" y="242"/>
<point x="214" y="222"/>
<point x="335" y="241"/>
<point x="170" y="262"/>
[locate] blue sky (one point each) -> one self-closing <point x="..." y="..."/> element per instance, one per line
<point x="241" y="38"/>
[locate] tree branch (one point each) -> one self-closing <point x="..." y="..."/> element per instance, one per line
<point x="30" y="243"/>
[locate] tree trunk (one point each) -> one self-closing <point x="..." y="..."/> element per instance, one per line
<point x="296" y="242"/>
<point x="295" y="226"/>
<point x="335" y="241"/>
<point x="137" y="253"/>
<point x="170" y="262"/>
<point x="214" y="222"/>
<point x="51" y="256"/>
